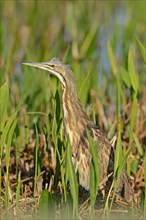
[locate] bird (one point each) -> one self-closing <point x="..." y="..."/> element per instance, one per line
<point x="76" y="123"/>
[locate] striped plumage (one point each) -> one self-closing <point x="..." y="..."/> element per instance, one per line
<point x="76" y="122"/>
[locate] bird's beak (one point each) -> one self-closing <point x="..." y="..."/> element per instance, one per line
<point x="40" y="65"/>
<point x="35" y="64"/>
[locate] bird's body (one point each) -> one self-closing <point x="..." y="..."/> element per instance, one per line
<point x="76" y="123"/>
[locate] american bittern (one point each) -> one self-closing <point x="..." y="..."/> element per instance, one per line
<point x="76" y="122"/>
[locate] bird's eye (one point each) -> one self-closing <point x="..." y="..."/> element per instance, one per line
<point x="52" y="66"/>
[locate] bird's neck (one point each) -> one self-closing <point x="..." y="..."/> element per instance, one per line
<point x="74" y="117"/>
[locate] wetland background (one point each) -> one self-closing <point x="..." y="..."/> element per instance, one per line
<point x="104" y="44"/>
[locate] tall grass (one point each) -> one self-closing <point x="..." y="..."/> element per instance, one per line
<point x="114" y="72"/>
<point x="7" y="131"/>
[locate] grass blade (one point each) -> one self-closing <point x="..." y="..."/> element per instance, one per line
<point x="88" y="39"/>
<point x="118" y="152"/>
<point x="18" y="191"/>
<point x="4" y="98"/>
<point x="125" y="77"/>
<point x="71" y="176"/>
<point x="132" y="74"/>
<point x="133" y="120"/>
<point x="8" y="145"/>
<point x="142" y="49"/>
<point x="6" y="131"/>
<point x="138" y="145"/>
<point x="36" y="160"/>
<point x="94" y="174"/>
<point x="112" y="59"/>
<point x="47" y="205"/>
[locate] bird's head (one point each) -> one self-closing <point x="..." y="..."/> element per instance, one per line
<point x="60" y="70"/>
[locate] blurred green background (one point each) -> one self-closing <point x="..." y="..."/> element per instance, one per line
<point x="75" y="31"/>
